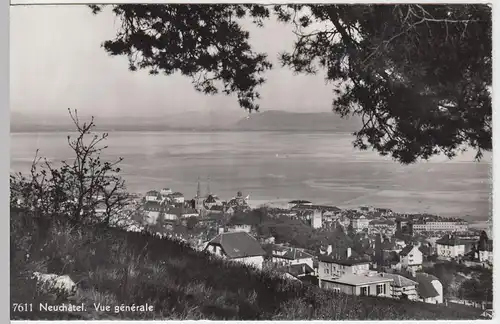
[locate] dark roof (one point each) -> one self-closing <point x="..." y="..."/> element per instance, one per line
<point x="238" y="245"/>
<point x="300" y="269"/>
<point x="388" y="245"/>
<point x="425" y="287"/>
<point x="299" y="202"/>
<point x="488" y="246"/>
<point x="450" y="240"/>
<point x="217" y="207"/>
<point x="399" y="280"/>
<point x="293" y="254"/>
<point x="152" y="193"/>
<point x="347" y="262"/>
<point x="176" y="194"/>
<point x="210" y="199"/>
<point x="407" y="249"/>
<point x="151" y="205"/>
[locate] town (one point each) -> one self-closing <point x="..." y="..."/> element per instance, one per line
<point x="363" y="251"/>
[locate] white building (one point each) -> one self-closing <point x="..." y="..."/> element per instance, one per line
<point x="430" y="289"/>
<point x="453" y="226"/>
<point x="153" y="195"/>
<point x="317" y="219"/>
<point x="359" y="224"/>
<point x="450" y="247"/>
<point x="411" y="257"/>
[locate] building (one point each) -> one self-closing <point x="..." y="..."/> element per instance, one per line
<point x="485" y="252"/>
<point x="382" y="226"/>
<point x="329" y="266"/>
<point x="448" y="226"/>
<point x="239" y="247"/>
<point x="450" y="247"/>
<point x="317" y="219"/>
<point x="177" y="197"/>
<point x="411" y="257"/>
<point x="402" y="287"/>
<point x="288" y="256"/>
<point x="153" y="195"/>
<point x="359" y="224"/>
<point x="366" y="284"/>
<point x="430" y="289"/>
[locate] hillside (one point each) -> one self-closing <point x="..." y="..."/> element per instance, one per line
<point x="113" y="267"/>
<point x="274" y="120"/>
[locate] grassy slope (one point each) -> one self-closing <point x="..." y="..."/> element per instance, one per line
<point x="115" y="267"/>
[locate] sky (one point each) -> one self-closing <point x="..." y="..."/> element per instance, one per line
<point x="57" y="62"/>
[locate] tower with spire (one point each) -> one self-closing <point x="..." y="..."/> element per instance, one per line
<point x="198" y="200"/>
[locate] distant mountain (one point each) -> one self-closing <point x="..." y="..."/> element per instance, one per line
<point x="274" y="120"/>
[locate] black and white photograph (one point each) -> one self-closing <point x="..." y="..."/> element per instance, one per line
<point x="251" y="162"/>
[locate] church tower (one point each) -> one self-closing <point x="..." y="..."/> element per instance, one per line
<point x="198" y="200"/>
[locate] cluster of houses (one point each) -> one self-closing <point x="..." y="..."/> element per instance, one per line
<point x="394" y="271"/>
<point x="390" y="270"/>
<point x="168" y="206"/>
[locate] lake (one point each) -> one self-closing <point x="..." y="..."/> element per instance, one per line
<point x="281" y="166"/>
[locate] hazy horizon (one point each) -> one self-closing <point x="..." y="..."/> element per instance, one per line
<point x="57" y="62"/>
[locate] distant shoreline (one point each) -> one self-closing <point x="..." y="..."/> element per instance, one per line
<point x="184" y="130"/>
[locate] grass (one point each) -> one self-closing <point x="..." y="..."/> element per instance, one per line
<point x="113" y="267"/>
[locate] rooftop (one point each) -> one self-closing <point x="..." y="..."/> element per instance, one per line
<point x="399" y="280"/>
<point x="345" y="261"/>
<point x="238" y="245"/>
<point x="358" y="279"/>
<point x="451" y="240"/>
<point x="425" y="287"/>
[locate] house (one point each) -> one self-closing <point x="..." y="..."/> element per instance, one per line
<point x="300" y="270"/>
<point x="381" y="226"/>
<point x="450" y="247"/>
<point x="317" y="219"/>
<point x="289" y="256"/>
<point x="153" y="195"/>
<point x="430" y="289"/>
<point x="239" y="247"/>
<point x="229" y="210"/>
<point x="331" y="266"/>
<point x="177" y="198"/>
<point x="366" y="284"/>
<point x="402" y="287"/>
<point x="411" y="257"/>
<point x="485" y="252"/>
<point x="359" y="224"/>
<point x="209" y="202"/>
